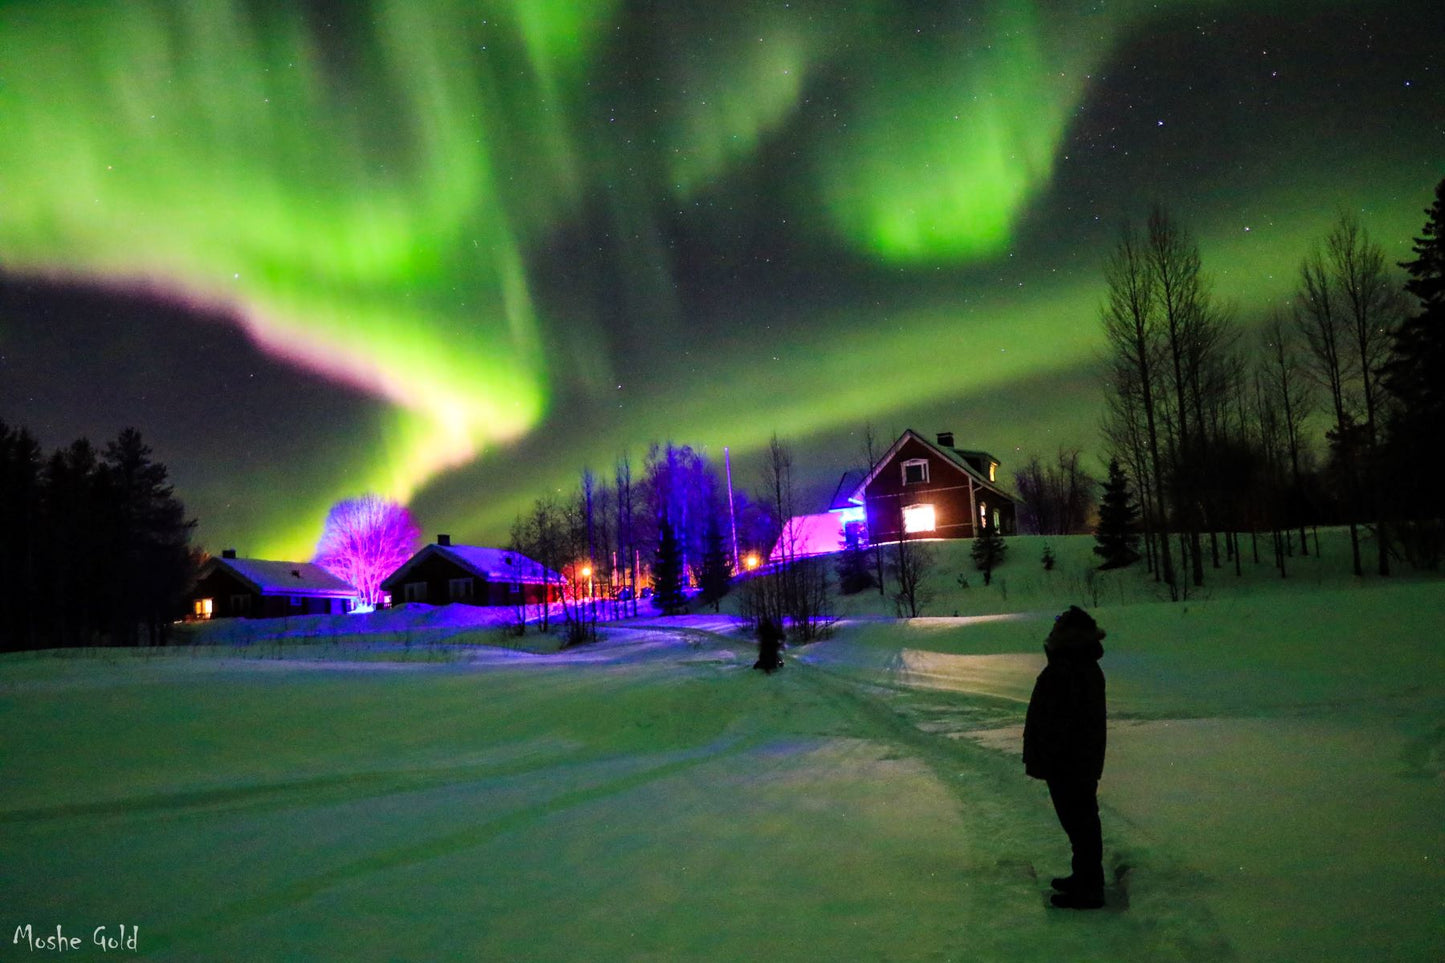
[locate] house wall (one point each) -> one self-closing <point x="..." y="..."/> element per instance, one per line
<point x="947" y="490"/>
<point x="222" y="587"/>
<point x="279" y="606"/>
<point x="233" y="598"/>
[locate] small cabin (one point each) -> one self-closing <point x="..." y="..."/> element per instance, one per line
<point x="442" y="573"/>
<point x="231" y="587"/>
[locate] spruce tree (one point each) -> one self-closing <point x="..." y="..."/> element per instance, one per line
<point x="855" y="569"/>
<point x="716" y="572"/>
<point x="1414" y="377"/>
<point x="21" y="537"/>
<point x="988" y="552"/>
<point x="667" y="572"/>
<point x="1117" y="535"/>
<point x="149" y="537"/>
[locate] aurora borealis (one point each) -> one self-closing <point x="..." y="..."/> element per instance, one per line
<point x="455" y="251"/>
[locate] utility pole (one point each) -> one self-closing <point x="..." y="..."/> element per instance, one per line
<point x="732" y="515"/>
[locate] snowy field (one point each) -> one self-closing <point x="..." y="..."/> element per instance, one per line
<point x="1273" y="790"/>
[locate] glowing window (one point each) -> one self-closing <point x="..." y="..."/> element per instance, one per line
<point x="205" y="608"/>
<point x="915" y="471"/>
<point x="983" y="514"/>
<point x="992" y="471"/>
<point x="918" y="518"/>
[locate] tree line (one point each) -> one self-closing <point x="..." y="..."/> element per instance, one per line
<point x="655" y="528"/>
<point x="1213" y="428"/>
<point x="94" y="545"/>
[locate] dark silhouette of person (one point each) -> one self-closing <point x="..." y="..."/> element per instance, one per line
<point x="770" y="645"/>
<point x="1064" y="737"/>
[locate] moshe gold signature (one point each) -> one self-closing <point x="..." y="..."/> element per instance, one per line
<point x="127" y="938"/>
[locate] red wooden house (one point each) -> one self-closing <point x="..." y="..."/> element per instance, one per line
<point x="442" y="573"/>
<point x="928" y="489"/>
<point x="231" y="587"/>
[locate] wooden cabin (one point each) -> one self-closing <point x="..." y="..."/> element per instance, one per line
<point x="231" y="587"/>
<point x="442" y="573"/>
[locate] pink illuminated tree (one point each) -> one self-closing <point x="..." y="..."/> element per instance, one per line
<point x="365" y="540"/>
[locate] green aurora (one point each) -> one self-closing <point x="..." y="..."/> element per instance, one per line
<point x="494" y="242"/>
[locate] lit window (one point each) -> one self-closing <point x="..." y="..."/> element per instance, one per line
<point x="205" y="608"/>
<point x="997" y="522"/>
<point x="992" y="471"/>
<point x="918" y="518"/>
<point x="915" y="471"/>
<point x="983" y="514"/>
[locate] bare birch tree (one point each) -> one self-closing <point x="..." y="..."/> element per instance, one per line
<point x="1348" y="310"/>
<point x="1132" y="327"/>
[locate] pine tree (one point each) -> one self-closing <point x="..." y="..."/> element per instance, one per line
<point x="74" y="508"/>
<point x="855" y="569"/>
<point x="1414" y="378"/>
<point x="716" y="573"/>
<point x="667" y="572"/>
<point x="1117" y="535"/>
<point x="149" y="537"/>
<point x="21" y="537"/>
<point x="988" y="552"/>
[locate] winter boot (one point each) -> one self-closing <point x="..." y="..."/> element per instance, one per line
<point x="1079" y="899"/>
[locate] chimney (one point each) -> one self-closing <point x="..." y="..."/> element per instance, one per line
<point x="228" y="553"/>
<point x="444" y="539"/>
<point x="945" y="439"/>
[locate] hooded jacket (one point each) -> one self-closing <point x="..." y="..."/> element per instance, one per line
<point x="1064" y="730"/>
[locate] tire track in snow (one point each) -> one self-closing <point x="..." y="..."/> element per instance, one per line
<point x="996" y="798"/>
<point x="288" y="896"/>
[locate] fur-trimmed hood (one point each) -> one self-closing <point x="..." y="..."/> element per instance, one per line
<point x="1075" y="635"/>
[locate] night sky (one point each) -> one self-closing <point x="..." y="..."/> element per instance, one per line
<point x="454" y="252"/>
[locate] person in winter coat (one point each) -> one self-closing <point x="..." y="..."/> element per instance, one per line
<point x="1064" y="736"/>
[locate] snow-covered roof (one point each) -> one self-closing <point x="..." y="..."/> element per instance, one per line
<point x="492" y="564"/>
<point x="499" y="565"/>
<point x="283" y="578"/>
<point x="804" y="535"/>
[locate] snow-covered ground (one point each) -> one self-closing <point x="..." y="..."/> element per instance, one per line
<point x="1274" y="786"/>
